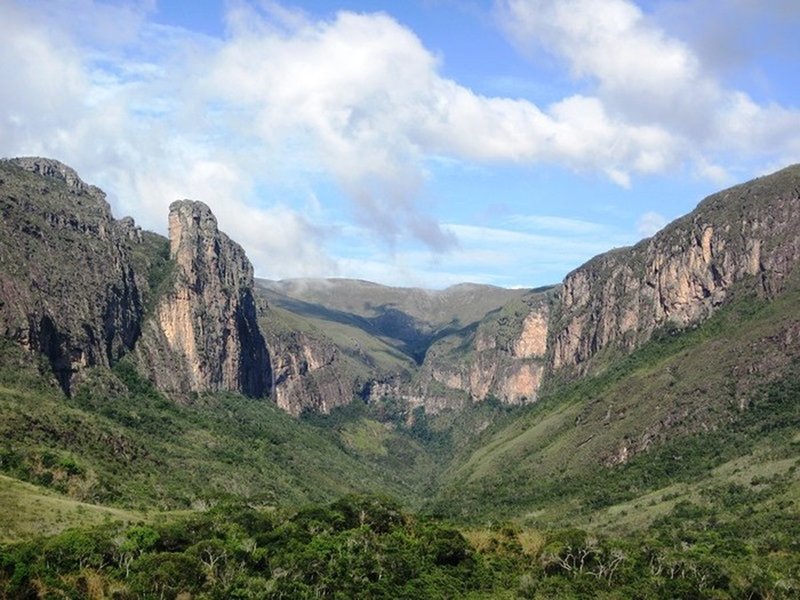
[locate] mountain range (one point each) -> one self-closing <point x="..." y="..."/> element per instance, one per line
<point x="143" y="372"/>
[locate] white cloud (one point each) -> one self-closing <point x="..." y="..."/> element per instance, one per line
<point x="650" y="223"/>
<point x="739" y="36"/>
<point x="560" y="225"/>
<point x="643" y="77"/>
<point x="524" y="251"/>
<point x="641" y="73"/>
<point x="252" y="122"/>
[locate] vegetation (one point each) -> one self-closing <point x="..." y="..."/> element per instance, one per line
<point x="368" y="547"/>
<point x="663" y="415"/>
<point x="387" y="327"/>
<point x="119" y="442"/>
<point x="519" y="508"/>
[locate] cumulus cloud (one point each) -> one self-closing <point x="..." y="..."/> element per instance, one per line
<point x="644" y="77"/>
<point x="253" y="121"/>
<point x="363" y="98"/>
<point x="520" y="251"/>
<point x="738" y="36"/>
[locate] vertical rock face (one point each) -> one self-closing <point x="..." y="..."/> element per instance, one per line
<point x="504" y="358"/>
<point x="67" y="288"/>
<point x="748" y="235"/>
<point x="679" y="276"/>
<point x="309" y="375"/>
<point x="204" y="334"/>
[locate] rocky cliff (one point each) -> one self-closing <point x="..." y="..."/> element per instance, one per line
<point x="310" y="373"/>
<point x="203" y="334"/>
<point x="67" y="286"/>
<point x="746" y="235"/>
<point x="503" y="357"/>
<point x="84" y="289"/>
<point x="336" y="340"/>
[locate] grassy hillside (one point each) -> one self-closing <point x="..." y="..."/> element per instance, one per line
<point x="672" y="472"/>
<point x="366" y="352"/>
<point x="119" y="442"/>
<point x="407" y="319"/>
<point x="683" y="405"/>
<point x="29" y="510"/>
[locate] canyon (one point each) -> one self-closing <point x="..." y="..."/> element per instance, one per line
<point x="84" y="289"/>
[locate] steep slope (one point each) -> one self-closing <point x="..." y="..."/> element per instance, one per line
<point x="409" y="319"/>
<point x="469" y="349"/>
<point x="85" y="290"/>
<point x="317" y="368"/>
<point x="503" y="356"/>
<point x="67" y="286"/>
<point x="683" y="403"/>
<point x="118" y="441"/>
<point x="664" y="345"/>
<point x="204" y="333"/>
<point x="338" y="339"/>
<point x="682" y="274"/>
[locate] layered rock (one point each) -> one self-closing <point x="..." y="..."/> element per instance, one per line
<point x="310" y="374"/>
<point x="75" y="285"/>
<point x="204" y="334"/>
<point x="748" y="233"/>
<point x="504" y="359"/>
<point x="67" y="288"/>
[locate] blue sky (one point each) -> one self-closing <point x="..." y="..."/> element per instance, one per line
<point x="424" y="142"/>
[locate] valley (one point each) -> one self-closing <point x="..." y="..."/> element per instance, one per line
<point x="173" y="426"/>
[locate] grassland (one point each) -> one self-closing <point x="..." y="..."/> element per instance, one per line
<point x="681" y="406"/>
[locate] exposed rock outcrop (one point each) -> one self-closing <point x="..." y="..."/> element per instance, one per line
<point x="67" y="288"/>
<point x="204" y="335"/>
<point x="309" y="373"/>
<point x="683" y="273"/>
<point x="505" y="358"/>
<point x="76" y="286"/>
<point x="748" y="235"/>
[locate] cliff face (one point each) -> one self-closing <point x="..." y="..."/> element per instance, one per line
<point x="309" y="374"/>
<point x="75" y="285"/>
<point x="335" y="340"/>
<point x="84" y="289"/>
<point x="203" y="335"/>
<point x="679" y="276"/>
<point x="67" y="288"/>
<point x="504" y="358"/>
<point x="744" y="236"/>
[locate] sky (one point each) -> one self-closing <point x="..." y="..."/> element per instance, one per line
<point x="417" y="143"/>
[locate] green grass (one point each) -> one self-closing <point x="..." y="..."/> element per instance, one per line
<point x="27" y="510"/>
<point x="673" y="410"/>
<point x="119" y="442"/>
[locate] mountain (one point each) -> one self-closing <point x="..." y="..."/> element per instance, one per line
<point x="86" y="290"/>
<point x="203" y="334"/>
<point x="630" y="432"/>
<point x="361" y="339"/>
<point x="677" y="352"/>
<point x="509" y="347"/>
<point x="67" y="287"/>
<point x="677" y="278"/>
